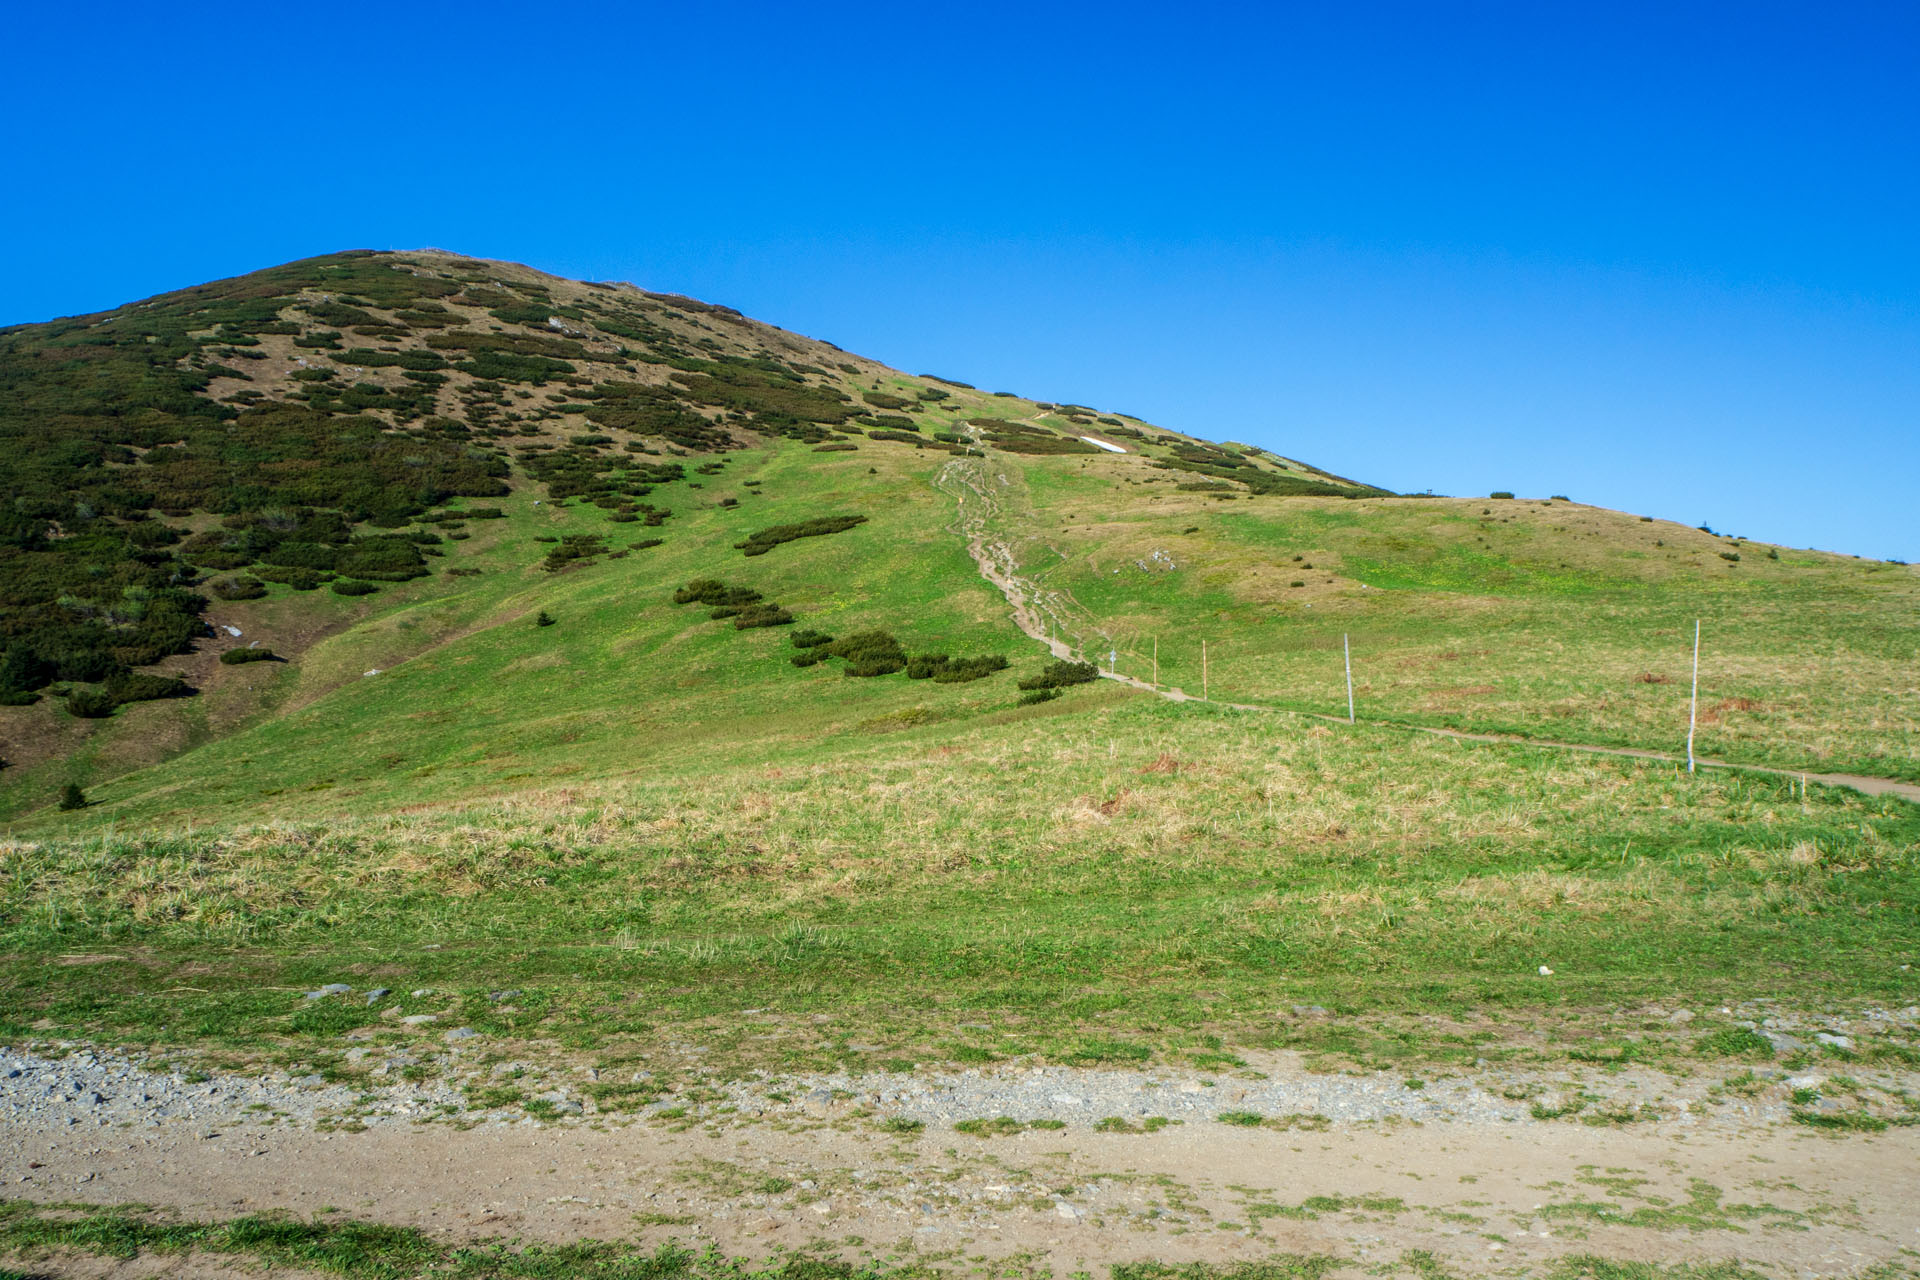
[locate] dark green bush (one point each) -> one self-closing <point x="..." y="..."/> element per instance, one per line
<point x="352" y="587"/>
<point x="91" y="704"/>
<point x="1020" y="437"/>
<point x="297" y="578"/>
<point x="23" y="670"/>
<point x="765" y="540"/>
<point x="1036" y="696"/>
<point x="237" y="588"/>
<point x="239" y="657"/>
<point x="712" y="591"/>
<point x="575" y="547"/>
<point x="72" y="797"/>
<point x="806" y="658"/>
<point x="762" y="615"/>
<point x="139" y="687"/>
<point x="964" y="670"/>
<point x="809" y="639"/>
<point x="900" y="437"/>
<point x="1058" y="675"/>
<point x="942" y="669"/>
<point x="366" y="358"/>
<point x="868" y="653"/>
<point x="88" y="665"/>
<point x="1500" y="493"/>
<point x="644" y="543"/>
<point x="543" y="619"/>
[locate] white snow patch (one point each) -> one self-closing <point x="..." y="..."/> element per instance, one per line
<point x="1109" y="447"/>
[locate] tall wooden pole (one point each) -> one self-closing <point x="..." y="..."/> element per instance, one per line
<point x="1346" y="650"/>
<point x="1203" y="672"/>
<point x="1693" y="703"/>
<point x="1156" y="661"/>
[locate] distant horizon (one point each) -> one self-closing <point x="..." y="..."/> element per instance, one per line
<point x="1649" y="258"/>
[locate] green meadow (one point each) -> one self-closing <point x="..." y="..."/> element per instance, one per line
<point x="1105" y="878"/>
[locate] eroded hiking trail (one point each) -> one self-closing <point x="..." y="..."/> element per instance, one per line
<point x="1048" y="1170"/>
<point x="973" y="485"/>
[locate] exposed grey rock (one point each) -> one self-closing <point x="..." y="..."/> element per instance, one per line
<point x="331" y="989"/>
<point x="378" y="994"/>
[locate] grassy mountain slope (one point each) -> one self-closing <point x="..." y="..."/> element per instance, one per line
<point x="649" y="818"/>
<point x="1543" y="618"/>
<point x="230" y="454"/>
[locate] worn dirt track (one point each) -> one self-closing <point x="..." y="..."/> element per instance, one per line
<point x="1813" y="1204"/>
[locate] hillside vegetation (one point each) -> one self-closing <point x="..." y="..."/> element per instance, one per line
<point x="1133" y="879"/>
<point x="310" y="450"/>
<point x="662" y="663"/>
<point x="393" y="463"/>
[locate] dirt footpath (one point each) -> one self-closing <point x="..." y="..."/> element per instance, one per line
<point x="1481" y="1192"/>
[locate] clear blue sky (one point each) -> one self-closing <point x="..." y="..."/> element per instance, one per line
<point x="1660" y="257"/>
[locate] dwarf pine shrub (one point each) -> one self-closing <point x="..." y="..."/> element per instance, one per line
<point x="922" y="666"/>
<point x="869" y="653"/>
<point x="237" y="588"/>
<point x="964" y="670"/>
<point x="765" y="540"/>
<point x="762" y="615"/>
<point x="141" y="687"/>
<point x="91" y="704"/>
<point x="1058" y="675"/>
<point x="239" y="657"/>
<point x="712" y="591"/>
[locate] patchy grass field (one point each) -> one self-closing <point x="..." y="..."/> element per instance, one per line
<point x="1107" y="878"/>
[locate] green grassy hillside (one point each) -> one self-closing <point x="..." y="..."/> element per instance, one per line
<point x="459" y="502"/>
<point x="441" y="438"/>
<point x="1542" y="618"/>
<point x="1131" y="878"/>
<point x="447" y="437"/>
